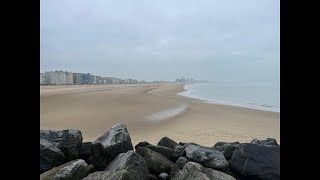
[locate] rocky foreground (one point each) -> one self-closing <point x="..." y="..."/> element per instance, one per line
<point x="63" y="156"/>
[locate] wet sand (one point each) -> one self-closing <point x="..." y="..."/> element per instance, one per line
<point x="150" y="112"/>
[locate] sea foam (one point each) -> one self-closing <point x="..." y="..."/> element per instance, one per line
<point x="168" y="113"/>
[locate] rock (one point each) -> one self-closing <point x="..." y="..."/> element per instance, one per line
<point x="153" y="177"/>
<point x="194" y="171"/>
<point x="165" y="151"/>
<point x="106" y="175"/>
<point x="226" y="148"/>
<point x="68" y="141"/>
<point x="178" y="151"/>
<point x="85" y="150"/>
<point x="219" y="144"/>
<point x="163" y="176"/>
<point x="132" y="162"/>
<point x="91" y="168"/>
<point x="106" y="148"/>
<point x="253" y="161"/>
<point x="50" y="156"/>
<point x="89" y="160"/>
<point x="167" y="142"/>
<point x="178" y="166"/>
<point x="157" y="163"/>
<point x="141" y="144"/>
<point x="268" y="141"/>
<point x="207" y="157"/>
<point x="73" y="170"/>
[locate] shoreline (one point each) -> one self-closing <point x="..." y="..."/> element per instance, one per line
<point x="93" y="112"/>
<point x="226" y="103"/>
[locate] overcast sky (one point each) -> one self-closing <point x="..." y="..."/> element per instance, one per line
<point x="232" y="40"/>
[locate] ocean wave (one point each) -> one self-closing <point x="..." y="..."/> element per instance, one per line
<point x="168" y="113"/>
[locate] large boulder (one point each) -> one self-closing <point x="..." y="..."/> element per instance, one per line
<point x="194" y="171"/>
<point x="253" y="161"/>
<point x="266" y="142"/>
<point x="68" y="141"/>
<point x="73" y="170"/>
<point x="50" y="156"/>
<point x="107" y="147"/>
<point x="210" y="158"/>
<point x="141" y="144"/>
<point x="131" y="162"/>
<point x="165" y="151"/>
<point x="226" y="148"/>
<point x="178" y="166"/>
<point x="178" y="151"/>
<point x="110" y="175"/>
<point x="167" y="142"/>
<point x="157" y="163"/>
<point x="85" y="152"/>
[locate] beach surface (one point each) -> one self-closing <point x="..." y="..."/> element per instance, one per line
<point x="150" y="112"/>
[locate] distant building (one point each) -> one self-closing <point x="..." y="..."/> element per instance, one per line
<point x="55" y="77"/>
<point x="69" y="78"/>
<point x="116" y="81"/>
<point x="77" y="78"/>
<point x="87" y="78"/>
<point x="43" y="78"/>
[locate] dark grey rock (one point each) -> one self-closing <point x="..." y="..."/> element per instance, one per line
<point x="68" y="141"/>
<point x="167" y="142"/>
<point x="178" y="166"/>
<point x="73" y="170"/>
<point x="91" y="168"/>
<point x="226" y="148"/>
<point x="85" y="152"/>
<point x="132" y="162"/>
<point x="153" y="177"/>
<point x="268" y="142"/>
<point x="165" y="151"/>
<point x="157" y="163"/>
<point x="107" y="175"/>
<point x="141" y="144"/>
<point x="194" y="171"/>
<point x="219" y="144"/>
<point x="178" y="151"/>
<point x="50" y="156"/>
<point x="210" y="158"/>
<point x="107" y="147"/>
<point x="253" y="161"/>
<point x="163" y="176"/>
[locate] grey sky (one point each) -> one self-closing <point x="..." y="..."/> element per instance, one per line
<point x="162" y="39"/>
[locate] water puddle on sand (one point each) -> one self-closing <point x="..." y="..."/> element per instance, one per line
<point x="167" y="114"/>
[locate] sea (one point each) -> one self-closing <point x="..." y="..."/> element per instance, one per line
<point x="256" y="95"/>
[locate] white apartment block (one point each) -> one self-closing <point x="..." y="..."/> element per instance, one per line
<point x="69" y="77"/>
<point x="56" y="77"/>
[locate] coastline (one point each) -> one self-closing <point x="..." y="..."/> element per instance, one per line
<point x="93" y="110"/>
<point x="187" y="93"/>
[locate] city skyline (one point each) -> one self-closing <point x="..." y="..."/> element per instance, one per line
<point x="60" y="77"/>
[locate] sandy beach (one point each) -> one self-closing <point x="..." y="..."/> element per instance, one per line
<point x="150" y="112"/>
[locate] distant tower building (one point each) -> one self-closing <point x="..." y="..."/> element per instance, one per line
<point x="69" y="77"/>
